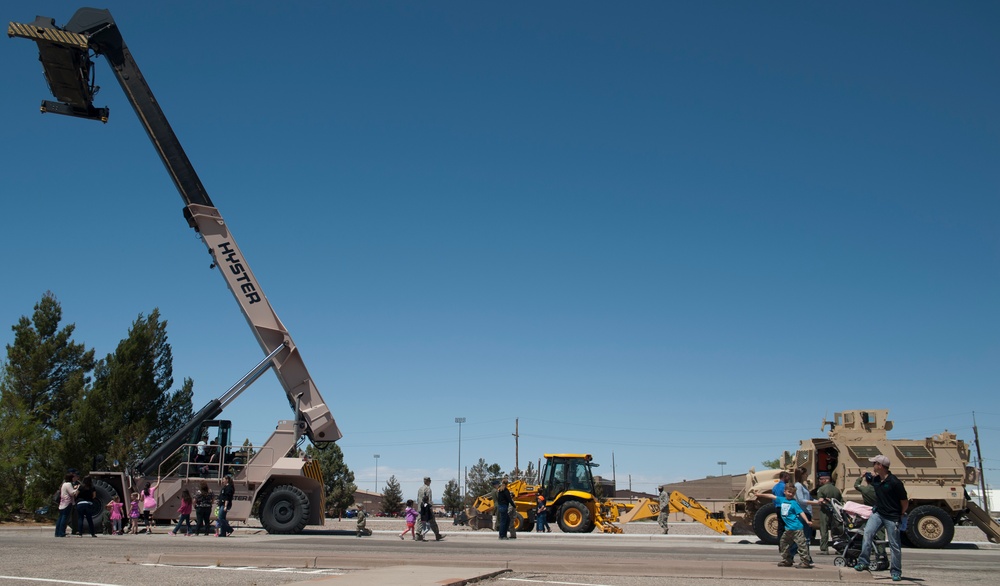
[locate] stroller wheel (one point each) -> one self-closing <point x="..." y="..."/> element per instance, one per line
<point x="840" y="561"/>
<point x="881" y="564"/>
<point x="875" y="565"/>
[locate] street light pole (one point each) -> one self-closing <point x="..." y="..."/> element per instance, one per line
<point x="722" y="468"/>
<point x="459" y="421"/>
<point x="376" y="473"/>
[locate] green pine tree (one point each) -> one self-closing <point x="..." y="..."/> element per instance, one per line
<point x="452" y="497"/>
<point x="44" y="375"/>
<point x="481" y="478"/>
<point x="392" y="497"/>
<point x="338" y="480"/>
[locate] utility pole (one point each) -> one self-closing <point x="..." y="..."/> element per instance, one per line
<point x="516" y="437"/>
<point x="979" y="454"/>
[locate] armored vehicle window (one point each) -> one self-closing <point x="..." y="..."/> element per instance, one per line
<point x="914" y="452"/>
<point x="863" y="452"/>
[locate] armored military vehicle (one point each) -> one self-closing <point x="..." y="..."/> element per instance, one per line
<point x="935" y="471"/>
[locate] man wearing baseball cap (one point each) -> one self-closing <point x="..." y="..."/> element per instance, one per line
<point x="891" y="503"/>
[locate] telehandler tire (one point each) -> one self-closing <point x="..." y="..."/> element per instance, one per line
<point x="574" y="517"/>
<point x="286" y="510"/>
<point x="765" y="524"/>
<point x="930" y="527"/>
<point x="102" y="517"/>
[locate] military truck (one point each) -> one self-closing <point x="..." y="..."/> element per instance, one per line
<point x="935" y="471"/>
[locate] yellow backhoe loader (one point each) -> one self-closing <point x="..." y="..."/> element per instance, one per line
<point x="567" y="483"/>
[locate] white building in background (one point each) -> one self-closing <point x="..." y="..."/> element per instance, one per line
<point x="992" y="494"/>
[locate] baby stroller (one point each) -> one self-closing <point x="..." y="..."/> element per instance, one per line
<point x="848" y="541"/>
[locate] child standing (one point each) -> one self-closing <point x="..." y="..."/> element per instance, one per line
<point x="795" y="520"/>
<point x="187" y="503"/>
<point x="133" y="514"/>
<point x="148" y="504"/>
<point x="116" y="507"/>
<point x="411" y="520"/>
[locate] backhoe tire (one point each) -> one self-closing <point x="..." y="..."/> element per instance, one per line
<point x="286" y="510"/>
<point x="930" y="527"/>
<point x="765" y="524"/>
<point x="102" y="517"/>
<point x="574" y="517"/>
<point x="519" y="523"/>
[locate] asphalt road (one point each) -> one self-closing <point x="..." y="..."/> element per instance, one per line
<point x="253" y="557"/>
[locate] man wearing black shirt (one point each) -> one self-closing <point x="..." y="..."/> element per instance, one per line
<point x="891" y="503"/>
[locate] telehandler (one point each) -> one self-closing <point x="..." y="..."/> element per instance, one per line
<point x="287" y="490"/>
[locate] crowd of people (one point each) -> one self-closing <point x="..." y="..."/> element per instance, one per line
<point x="880" y="489"/>
<point x="79" y="503"/>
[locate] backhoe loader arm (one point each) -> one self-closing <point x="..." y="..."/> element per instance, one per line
<point x="65" y="56"/>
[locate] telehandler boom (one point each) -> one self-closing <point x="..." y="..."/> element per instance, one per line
<point x="289" y="490"/>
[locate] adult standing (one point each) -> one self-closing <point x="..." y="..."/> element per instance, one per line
<point x="203" y="508"/>
<point x="826" y="492"/>
<point x="225" y="503"/>
<point x="429" y="524"/>
<point x="67" y="498"/>
<point x="864" y="485"/>
<point x="664" y="509"/>
<point x="891" y="503"/>
<point x="778" y="490"/>
<point x="802" y="496"/>
<point x="504" y="503"/>
<point x="85" y="506"/>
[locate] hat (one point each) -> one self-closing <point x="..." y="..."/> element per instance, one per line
<point x="427" y="478"/>
<point x="541" y="498"/>
<point x="824" y="474"/>
<point x="880" y="459"/>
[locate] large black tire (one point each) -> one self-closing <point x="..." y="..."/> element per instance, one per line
<point x="765" y="524"/>
<point x="102" y="517"/>
<point x="574" y="517"/>
<point x="286" y="510"/>
<point x="930" y="527"/>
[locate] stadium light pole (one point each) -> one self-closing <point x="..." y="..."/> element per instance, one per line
<point x="722" y="468"/>
<point x="459" y="421"/>
<point x="376" y="473"/>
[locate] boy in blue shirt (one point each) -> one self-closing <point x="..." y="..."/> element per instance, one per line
<point x="795" y="519"/>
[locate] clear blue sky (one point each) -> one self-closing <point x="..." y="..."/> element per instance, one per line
<point x="670" y="234"/>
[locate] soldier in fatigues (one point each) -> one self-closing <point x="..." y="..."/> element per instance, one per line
<point x="827" y="519"/>
<point x="429" y="523"/>
<point x="664" y="509"/>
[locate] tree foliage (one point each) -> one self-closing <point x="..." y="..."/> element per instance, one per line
<point x="338" y="480"/>
<point x="452" y="497"/>
<point x="130" y="408"/>
<point x="392" y="497"/>
<point x="53" y="416"/>
<point x="771" y="464"/>
<point x="480" y="478"/>
<point x="43" y="377"/>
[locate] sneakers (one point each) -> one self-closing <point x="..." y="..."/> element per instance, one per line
<point x="401" y="538"/>
<point x="784" y="564"/>
<point x="896" y="577"/>
<point x="860" y="567"/>
<point x="439" y="538"/>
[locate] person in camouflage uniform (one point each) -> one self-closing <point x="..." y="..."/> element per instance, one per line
<point x="430" y="523"/>
<point x="664" y="509"/>
<point x="827" y="520"/>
